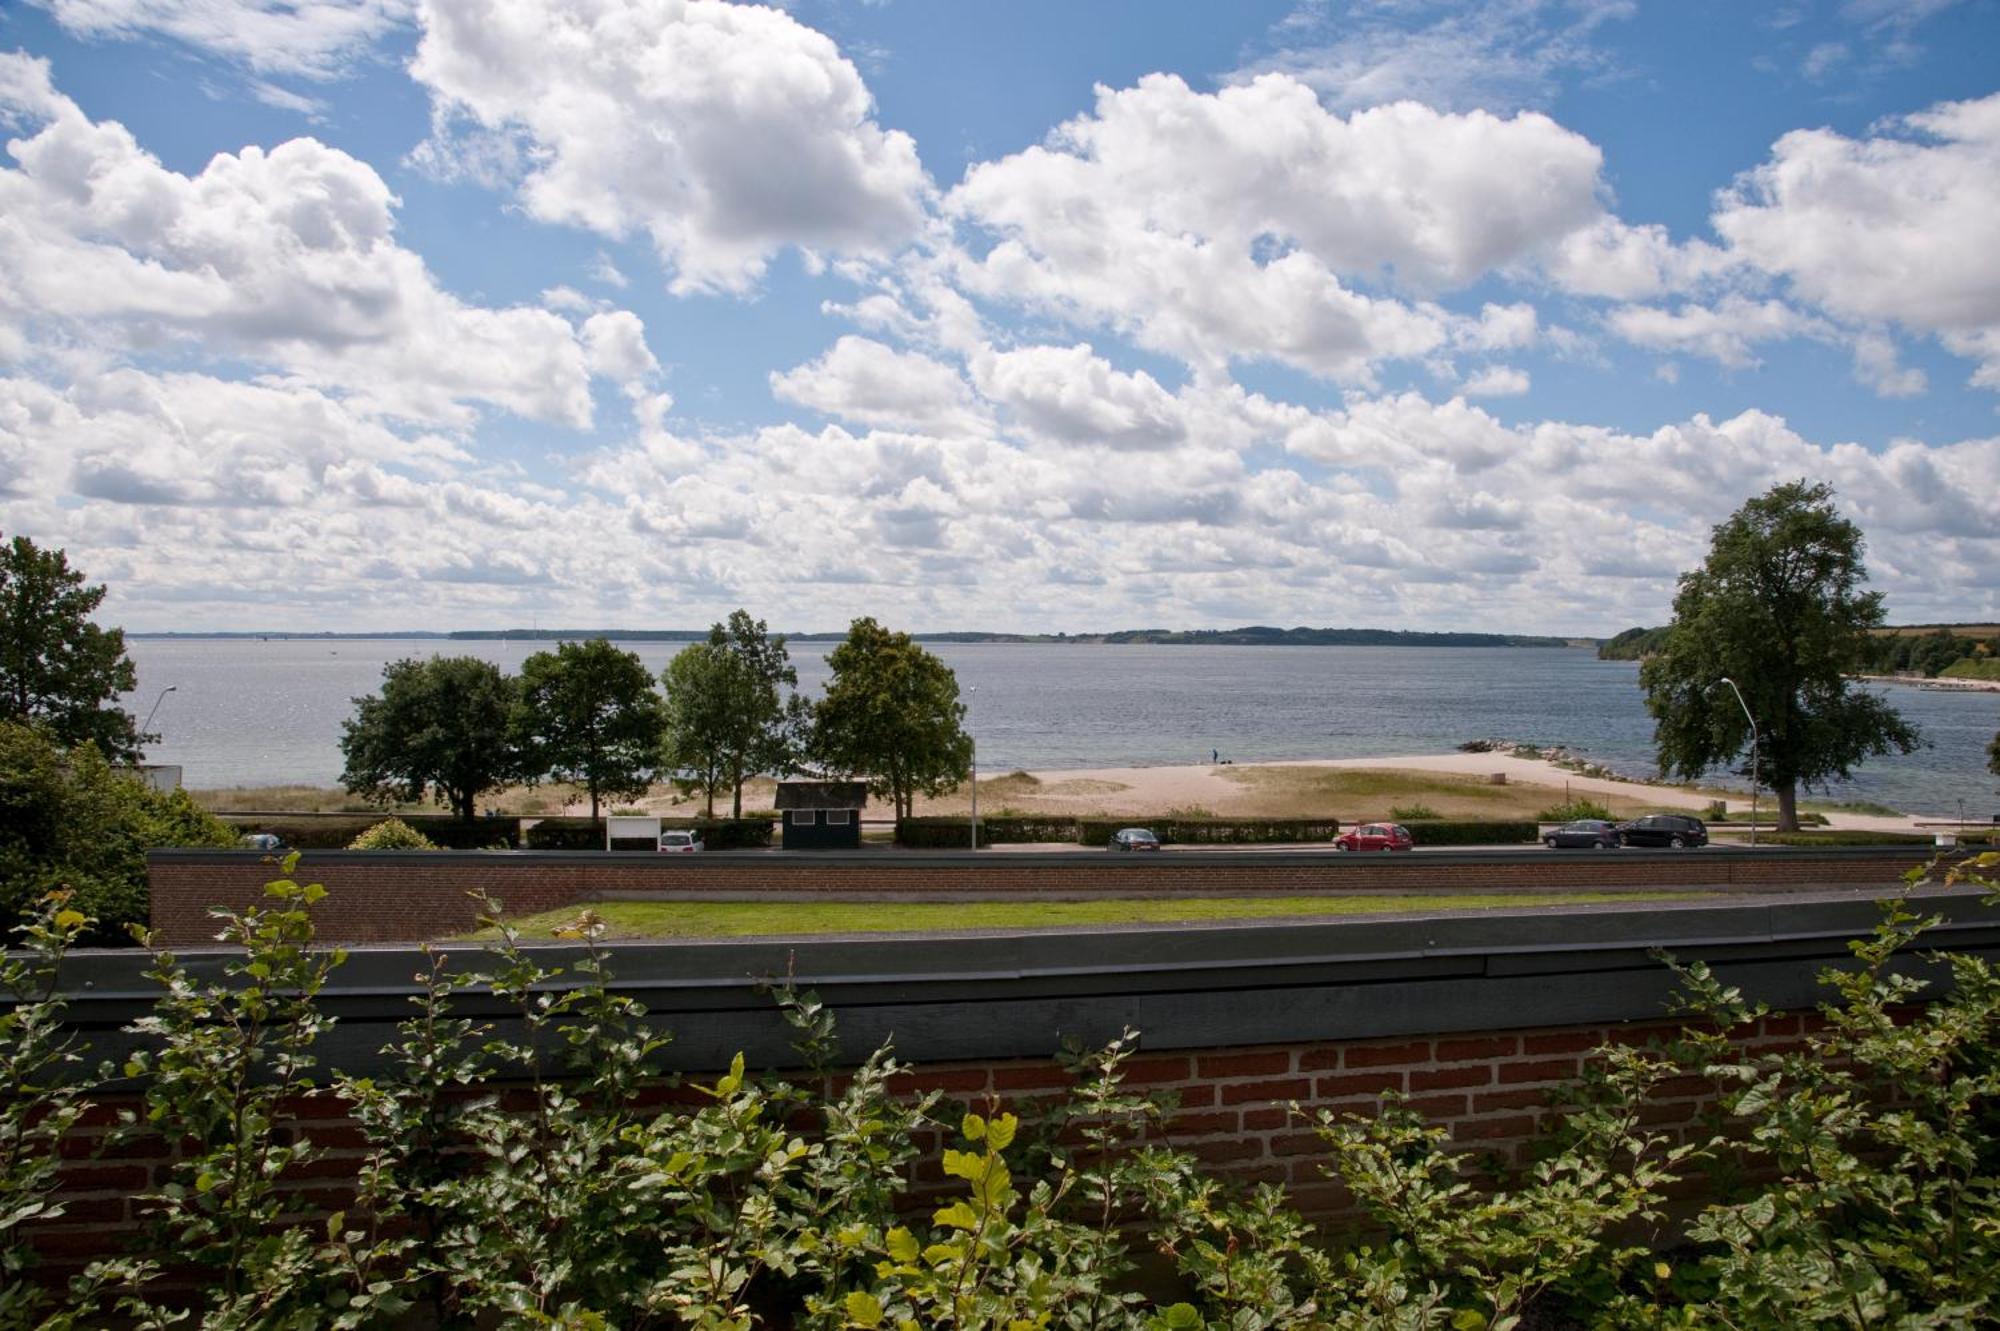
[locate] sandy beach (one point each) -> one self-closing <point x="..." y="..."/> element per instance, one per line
<point x="1494" y="784"/>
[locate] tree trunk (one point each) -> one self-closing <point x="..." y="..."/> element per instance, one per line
<point x="736" y="777"/>
<point x="593" y="801"/>
<point x="1788" y="807"/>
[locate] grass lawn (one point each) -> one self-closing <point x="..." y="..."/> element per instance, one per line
<point x="752" y="919"/>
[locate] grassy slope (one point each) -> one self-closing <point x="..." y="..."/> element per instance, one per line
<point x="732" y="919"/>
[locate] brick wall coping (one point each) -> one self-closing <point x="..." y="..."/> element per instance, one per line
<point x="1021" y="994"/>
<point x="884" y="857"/>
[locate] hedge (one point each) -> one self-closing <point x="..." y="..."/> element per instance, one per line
<point x="1007" y="829"/>
<point x="334" y="831"/>
<point x="1472" y="832"/>
<point x="1213" y="831"/>
<point x="588" y="833"/>
<point x="1850" y="836"/>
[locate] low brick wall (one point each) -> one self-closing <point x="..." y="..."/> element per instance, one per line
<point x="1491" y="1089"/>
<point x="1478" y="1018"/>
<point x="380" y="896"/>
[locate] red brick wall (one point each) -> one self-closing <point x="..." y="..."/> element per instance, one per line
<point x="385" y="897"/>
<point x="1490" y="1089"/>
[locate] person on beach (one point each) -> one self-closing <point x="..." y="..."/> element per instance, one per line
<point x="1215" y="757"/>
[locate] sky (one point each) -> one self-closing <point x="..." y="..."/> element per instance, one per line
<point x="424" y="314"/>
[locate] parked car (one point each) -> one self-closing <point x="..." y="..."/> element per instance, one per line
<point x="1588" y="833"/>
<point x="1677" y="830"/>
<point x="264" y="841"/>
<point x="1134" y="838"/>
<point x="679" y="842"/>
<point x="1376" y="836"/>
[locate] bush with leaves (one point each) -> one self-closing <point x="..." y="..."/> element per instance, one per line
<point x="520" y="1172"/>
<point x="70" y="821"/>
<point x="392" y="834"/>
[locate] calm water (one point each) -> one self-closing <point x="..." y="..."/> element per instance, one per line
<point x="245" y="712"/>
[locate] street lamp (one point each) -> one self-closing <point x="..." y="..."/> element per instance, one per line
<point x="1753" y="753"/>
<point x="971" y="739"/>
<point x="148" y="726"/>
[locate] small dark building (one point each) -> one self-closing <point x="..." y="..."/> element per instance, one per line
<point x="822" y="815"/>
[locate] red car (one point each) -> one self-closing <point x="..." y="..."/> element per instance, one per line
<point x="1376" y="836"/>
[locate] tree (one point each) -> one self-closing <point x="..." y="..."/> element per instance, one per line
<point x="1777" y="607"/>
<point x="439" y="725"/>
<point x="728" y="715"/>
<point x="891" y="713"/>
<point x="588" y="713"/>
<point x="1993" y="756"/>
<point x="57" y="669"/>
<point x="70" y="819"/>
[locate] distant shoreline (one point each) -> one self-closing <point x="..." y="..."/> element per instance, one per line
<point x="1239" y="637"/>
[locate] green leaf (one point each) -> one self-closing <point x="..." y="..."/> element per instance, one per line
<point x="956" y="1216"/>
<point x="974" y="1128"/>
<point x="902" y="1245"/>
<point x="1000" y="1132"/>
<point x="864" y="1309"/>
<point x="1468" y="1319"/>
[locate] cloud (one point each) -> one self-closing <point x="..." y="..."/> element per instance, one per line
<point x="1247" y="223"/>
<point x="862" y="380"/>
<point x="1503" y="55"/>
<point x="1497" y="381"/>
<point x="1724" y="332"/>
<point x="285" y="258"/>
<point x="1072" y="396"/>
<point x="1895" y="228"/>
<point x="724" y="133"/>
<point x="315" y="39"/>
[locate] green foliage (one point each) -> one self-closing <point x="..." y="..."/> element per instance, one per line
<point x="1939" y="652"/>
<point x="392" y="834"/>
<point x="891" y="715"/>
<point x="564" y="834"/>
<point x="70" y="821"/>
<point x="40" y="1100"/>
<point x="1986" y="667"/>
<point x="338" y="831"/>
<point x="439" y="725"/>
<point x="1213" y="832"/>
<point x="57" y="669"/>
<point x="1000" y="829"/>
<point x="730" y="712"/>
<point x="516" y="1172"/>
<point x="1411" y="813"/>
<point x="1473" y="832"/>
<point x="588" y="713"/>
<point x="1777" y="607"/>
<point x="1634" y="644"/>
<point x="1573" y="810"/>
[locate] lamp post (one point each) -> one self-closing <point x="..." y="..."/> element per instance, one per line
<point x="1753" y="754"/>
<point x="973" y="740"/>
<point x="148" y="726"/>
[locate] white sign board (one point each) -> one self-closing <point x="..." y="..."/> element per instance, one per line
<point x="631" y="827"/>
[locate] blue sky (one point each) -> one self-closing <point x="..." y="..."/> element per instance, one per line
<point x="365" y="314"/>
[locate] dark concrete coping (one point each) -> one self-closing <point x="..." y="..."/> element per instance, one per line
<point x="994" y="995"/>
<point x="896" y="857"/>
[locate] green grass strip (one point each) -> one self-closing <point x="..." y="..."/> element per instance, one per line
<point x="752" y="919"/>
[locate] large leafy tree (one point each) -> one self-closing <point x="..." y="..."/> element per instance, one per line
<point x="891" y="714"/>
<point x="68" y="819"/>
<point x="1778" y="608"/>
<point x="57" y="669"/>
<point x="438" y="726"/>
<point x="588" y="713"/>
<point x="730" y="709"/>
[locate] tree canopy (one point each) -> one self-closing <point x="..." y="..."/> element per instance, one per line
<point x="891" y="714"/>
<point x="438" y="726"/>
<point x="1777" y="607"/>
<point x="57" y="668"/>
<point x="70" y="819"/>
<point x="588" y="713"/>
<point x="730" y="712"/>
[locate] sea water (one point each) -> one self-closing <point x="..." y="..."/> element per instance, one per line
<point x="255" y="712"/>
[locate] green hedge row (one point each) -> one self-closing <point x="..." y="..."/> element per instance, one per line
<point x="1008" y="829"/>
<point x="1473" y="832"/>
<point x="588" y="833"/>
<point x="1849" y="836"/>
<point x="335" y="831"/>
<point x="1213" y="831"/>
